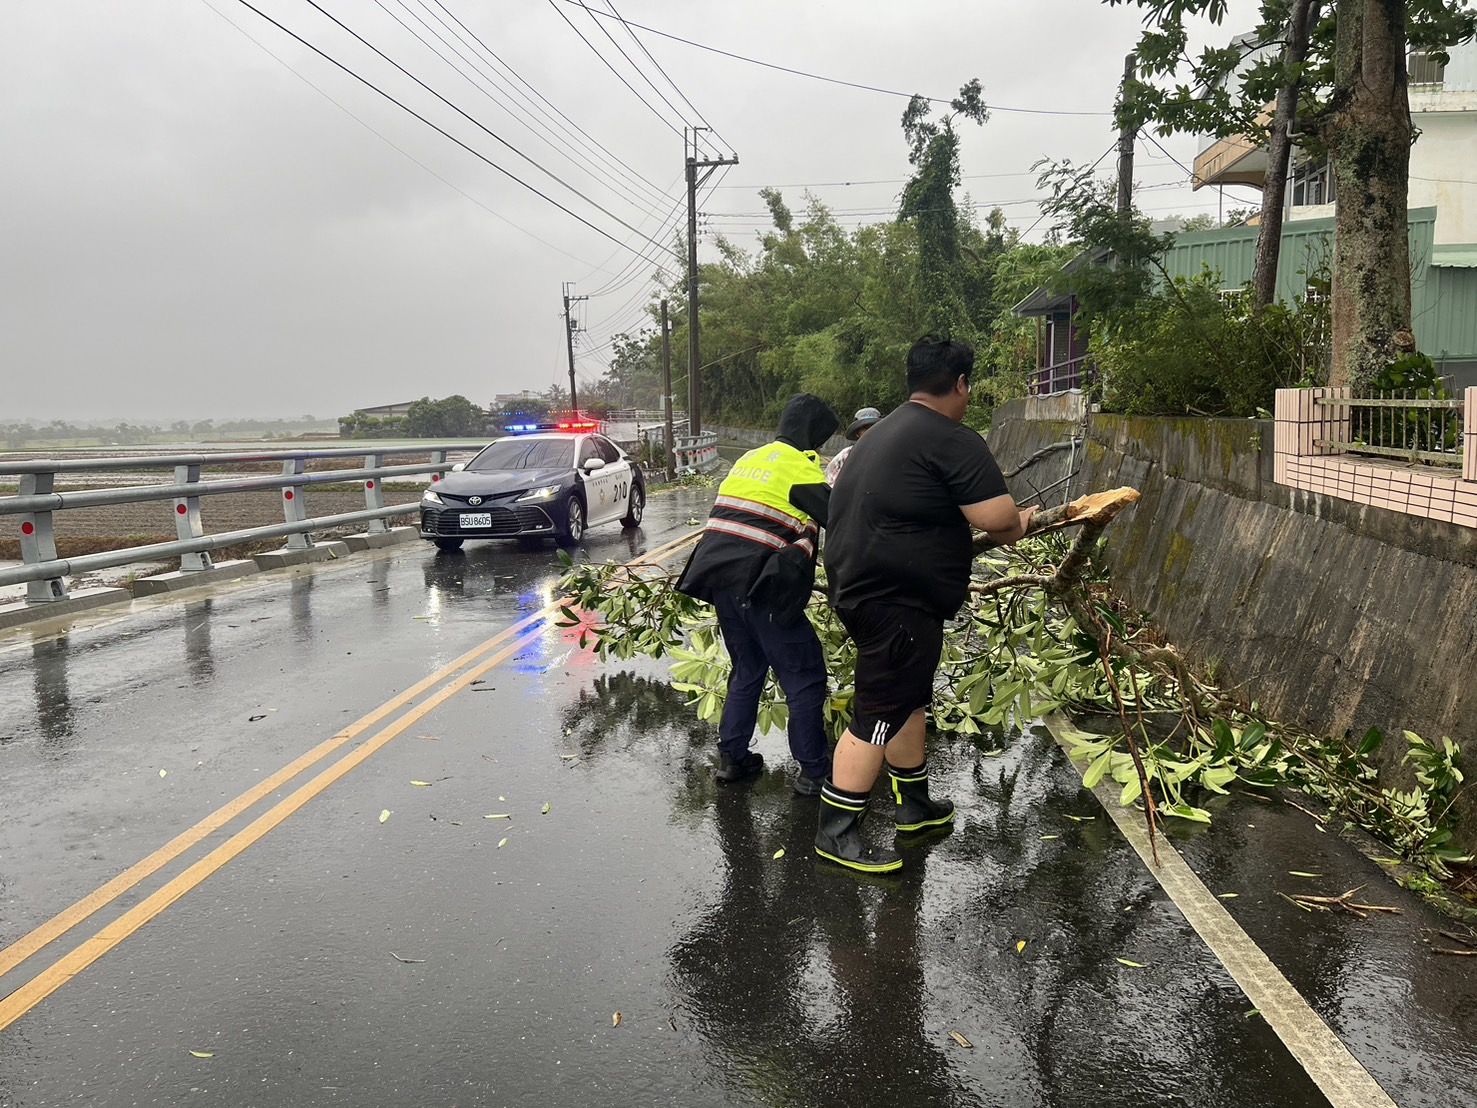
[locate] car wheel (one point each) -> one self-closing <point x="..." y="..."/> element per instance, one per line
<point x="574" y="522"/>
<point x="637" y="507"/>
<point x="449" y="545"/>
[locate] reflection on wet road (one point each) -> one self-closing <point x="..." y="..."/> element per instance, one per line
<point x="435" y="956"/>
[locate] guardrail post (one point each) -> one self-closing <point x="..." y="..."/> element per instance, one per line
<point x="374" y="494"/>
<point x="187" y="523"/>
<point x="38" y="541"/>
<point x="438" y="458"/>
<point x="293" y="508"/>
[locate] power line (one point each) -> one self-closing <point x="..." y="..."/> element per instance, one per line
<point x="461" y="112"/>
<point x="677" y="88"/>
<point x="639" y="71"/>
<point x="634" y="199"/>
<point x="820" y="77"/>
<point x="619" y="76"/>
<point x="634" y="184"/>
<point x="439" y="130"/>
<point x="651" y="185"/>
<point x="387" y="141"/>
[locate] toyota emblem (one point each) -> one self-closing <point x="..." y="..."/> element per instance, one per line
<point x="474" y="500"/>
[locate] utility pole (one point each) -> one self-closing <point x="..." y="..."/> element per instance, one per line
<point x="694" y="164"/>
<point x="667" y="386"/>
<point x="1126" y="137"/>
<point x="569" y="329"/>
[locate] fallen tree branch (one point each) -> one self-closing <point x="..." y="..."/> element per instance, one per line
<point x="1044" y="452"/>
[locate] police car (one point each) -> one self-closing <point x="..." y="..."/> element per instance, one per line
<point x="554" y="479"/>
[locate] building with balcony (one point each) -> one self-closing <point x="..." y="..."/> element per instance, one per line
<point x="1443" y="168"/>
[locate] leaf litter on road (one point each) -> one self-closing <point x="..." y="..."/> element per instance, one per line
<point x="202" y="1054"/>
<point x="1130" y="963"/>
<point x="406" y="961"/>
<point x="384" y="815"/>
<point x="502" y="842"/>
<point x="960" y="1040"/>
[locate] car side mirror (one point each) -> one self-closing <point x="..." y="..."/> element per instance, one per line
<point x="458" y="467"/>
<point x="592" y="464"/>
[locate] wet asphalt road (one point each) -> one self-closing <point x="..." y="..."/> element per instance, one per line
<point x="342" y="960"/>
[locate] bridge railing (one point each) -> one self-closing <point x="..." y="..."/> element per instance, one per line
<point x="696" y="453"/>
<point x="32" y="510"/>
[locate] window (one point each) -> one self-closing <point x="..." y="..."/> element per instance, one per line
<point x="524" y="454"/>
<point x="1425" y="68"/>
<point x="1312" y="184"/>
<point x="608" y="450"/>
<point x="588" y="450"/>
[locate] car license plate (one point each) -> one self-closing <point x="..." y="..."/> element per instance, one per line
<point x="472" y="520"/>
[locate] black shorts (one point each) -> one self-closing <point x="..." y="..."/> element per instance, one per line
<point x="897" y="655"/>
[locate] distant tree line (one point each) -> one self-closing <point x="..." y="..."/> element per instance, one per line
<point x="25" y="434"/>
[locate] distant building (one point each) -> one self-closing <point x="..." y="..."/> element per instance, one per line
<point x="513" y="399"/>
<point x="387" y="411"/>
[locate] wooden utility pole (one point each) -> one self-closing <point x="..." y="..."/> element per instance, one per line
<point x="1126" y="137"/>
<point x="667" y="387"/>
<point x="694" y="379"/>
<point x="569" y="329"/>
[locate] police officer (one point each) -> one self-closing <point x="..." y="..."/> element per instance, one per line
<point x="756" y="565"/>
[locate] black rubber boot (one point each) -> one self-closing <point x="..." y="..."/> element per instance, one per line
<point x="916" y="810"/>
<point x="729" y="772"/>
<point x="838" y="834"/>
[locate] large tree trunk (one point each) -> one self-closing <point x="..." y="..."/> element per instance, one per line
<point x="1279" y="151"/>
<point x="1369" y="139"/>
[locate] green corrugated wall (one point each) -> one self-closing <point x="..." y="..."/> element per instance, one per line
<point x="1443" y="300"/>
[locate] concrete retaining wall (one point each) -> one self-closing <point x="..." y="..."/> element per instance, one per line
<point x="1333" y="615"/>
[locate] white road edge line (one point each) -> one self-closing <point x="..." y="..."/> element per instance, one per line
<point x="1337" y="1073"/>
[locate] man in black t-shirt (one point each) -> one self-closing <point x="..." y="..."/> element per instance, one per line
<point x="898" y="557"/>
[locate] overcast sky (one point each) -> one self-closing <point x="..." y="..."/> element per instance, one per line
<point x="191" y="230"/>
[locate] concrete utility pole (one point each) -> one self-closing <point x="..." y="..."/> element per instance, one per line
<point x="569" y="329"/>
<point x="1126" y="137"/>
<point x="694" y="379"/>
<point x="667" y="387"/>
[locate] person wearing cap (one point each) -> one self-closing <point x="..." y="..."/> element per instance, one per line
<point x="863" y="419"/>
<point x="755" y="563"/>
<point x="898" y="559"/>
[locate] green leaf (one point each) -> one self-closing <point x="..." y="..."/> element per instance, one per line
<point x="385" y="815"/>
<point x="1130" y="963"/>
<point x="202" y="1053"/>
<point x="1096" y="770"/>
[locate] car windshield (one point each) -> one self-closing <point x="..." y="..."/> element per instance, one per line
<point x="525" y="454"/>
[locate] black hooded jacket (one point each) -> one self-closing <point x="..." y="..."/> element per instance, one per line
<point x="724" y="564"/>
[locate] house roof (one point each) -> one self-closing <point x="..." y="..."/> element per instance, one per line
<point x="1455" y="255"/>
<point x="1043" y="301"/>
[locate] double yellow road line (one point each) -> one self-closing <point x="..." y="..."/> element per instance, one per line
<point x="511" y="640"/>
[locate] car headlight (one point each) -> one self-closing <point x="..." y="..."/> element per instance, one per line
<point x="429" y="497"/>
<point x="548" y="492"/>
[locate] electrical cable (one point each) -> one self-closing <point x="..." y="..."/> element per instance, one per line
<point x="386" y="140"/>
<point x="667" y="76"/>
<point x="464" y="114"/>
<point x="635" y="200"/>
<point x="651" y="185"/>
<point x="819" y="77"/>
<point x="639" y="71"/>
<point x="619" y="76"/>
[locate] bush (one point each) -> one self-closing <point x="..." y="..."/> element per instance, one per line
<point x="1191" y="349"/>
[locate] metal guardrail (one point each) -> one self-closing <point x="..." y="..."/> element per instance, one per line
<point x="696" y="453"/>
<point x="36" y="505"/>
<point x="1412" y="426"/>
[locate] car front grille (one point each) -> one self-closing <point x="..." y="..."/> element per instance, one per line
<point x="505" y="521"/>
